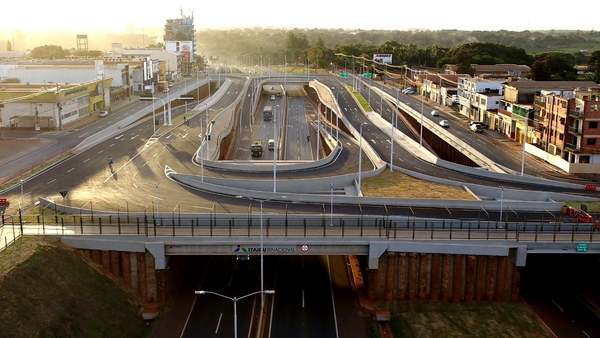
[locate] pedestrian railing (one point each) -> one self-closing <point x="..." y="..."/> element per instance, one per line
<point x="211" y="225"/>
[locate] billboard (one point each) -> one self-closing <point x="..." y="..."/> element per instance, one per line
<point x="383" y="58"/>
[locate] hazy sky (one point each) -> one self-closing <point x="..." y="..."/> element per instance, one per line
<point x="123" y="15"/>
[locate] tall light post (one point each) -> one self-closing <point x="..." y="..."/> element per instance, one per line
<point x="360" y="156"/>
<point x="331" y="210"/>
<point x="318" y="132"/>
<point x="234" y="300"/>
<point x="275" y="148"/>
<point x="21" y="181"/>
<point x="262" y="264"/>
<point x="421" y="132"/>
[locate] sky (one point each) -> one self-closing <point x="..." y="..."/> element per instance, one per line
<point x="132" y="15"/>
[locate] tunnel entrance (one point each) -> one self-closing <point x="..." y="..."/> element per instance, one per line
<point x="311" y="292"/>
<point x="564" y="290"/>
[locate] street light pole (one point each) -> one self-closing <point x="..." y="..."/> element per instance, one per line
<point x="262" y="264"/>
<point x="421" y="132"/>
<point x="360" y="156"/>
<point x="524" y="143"/>
<point x="331" y="211"/>
<point x="234" y="300"/>
<point x="274" y="149"/>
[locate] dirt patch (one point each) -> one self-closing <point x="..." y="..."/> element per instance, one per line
<point x="396" y="184"/>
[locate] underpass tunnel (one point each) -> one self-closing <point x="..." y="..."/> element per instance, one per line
<point x="308" y="289"/>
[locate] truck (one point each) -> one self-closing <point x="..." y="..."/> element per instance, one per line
<point x="268" y="113"/>
<point x="256" y="149"/>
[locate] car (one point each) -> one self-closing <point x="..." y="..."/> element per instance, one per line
<point x="407" y="90"/>
<point x="272" y="97"/>
<point x="444" y="123"/>
<point x="434" y="113"/>
<point x="476" y="127"/>
<point x="410" y="91"/>
<point x="271" y="144"/>
<point x="103" y="113"/>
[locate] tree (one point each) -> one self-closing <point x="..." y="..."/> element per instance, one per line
<point x="48" y="52"/>
<point x="88" y="53"/>
<point x="594" y="63"/>
<point x="156" y="45"/>
<point x="554" y="66"/>
<point x="297" y="44"/>
<point x="485" y="54"/>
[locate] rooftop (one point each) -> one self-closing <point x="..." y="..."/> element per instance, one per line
<point x="530" y="84"/>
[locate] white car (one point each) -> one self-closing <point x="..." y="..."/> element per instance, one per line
<point x="434" y="113"/>
<point x="444" y="123"/>
<point x="272" y="97"/>
<point x="103" y="113"/>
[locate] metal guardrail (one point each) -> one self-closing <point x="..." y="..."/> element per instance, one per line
<point x="218" y="226"/>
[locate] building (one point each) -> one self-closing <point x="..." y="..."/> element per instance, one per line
<point x="502" y="70"/>
<point x="180" y="38"/>
<point x="478" y="98"/>
<point x="165" y="64"/>
<point x="517" y="116"/>
<point x="440" y="88"/>
<point x="51" y="106"/>
<point x="570" y="122"/>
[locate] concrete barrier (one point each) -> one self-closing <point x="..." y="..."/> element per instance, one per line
<point x="191" y="182"/>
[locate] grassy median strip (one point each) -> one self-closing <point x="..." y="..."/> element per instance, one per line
<point x="47" y="290"/>
<point x="396" y="184"/>
<point x="361" y="99"/>
<point x="465" y="320"/>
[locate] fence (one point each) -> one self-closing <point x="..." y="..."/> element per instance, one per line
<point x="9" y="236"/>
<point x="317" y="226"/>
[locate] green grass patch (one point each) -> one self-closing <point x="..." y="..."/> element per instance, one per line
<point x="421" y="320"/>
<point x="396" y="184"/>
<point x="361" y="99"/>
<point x="46" y="290"/>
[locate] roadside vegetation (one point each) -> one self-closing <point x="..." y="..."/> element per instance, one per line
<point x="429" y="320"/>
<point x="592" y="206"/>
<point x="361" y="99"/>
<point x="396" y="184"/>
<point x="47" y="290"/>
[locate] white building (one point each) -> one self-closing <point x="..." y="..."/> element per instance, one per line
<point x="172" y="61"/>
<point x="476" y="96"/>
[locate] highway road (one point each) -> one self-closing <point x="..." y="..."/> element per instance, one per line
<point x="403" y="158"/>
<point x="300" y="135"/>
<point x="486" y="143"/>
<point x="304" y="302"/>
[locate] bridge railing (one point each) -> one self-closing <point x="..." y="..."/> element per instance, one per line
<point x="320" y="226"/>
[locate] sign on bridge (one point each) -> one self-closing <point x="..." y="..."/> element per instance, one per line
<point x="581" y="247"/>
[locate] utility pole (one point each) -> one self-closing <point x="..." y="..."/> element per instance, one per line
<point x="275" y="148"/>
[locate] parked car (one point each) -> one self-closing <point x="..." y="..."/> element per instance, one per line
<point x="444" y="123"/>
<point x="103" y="113"/>
<point x="434" y="113"/>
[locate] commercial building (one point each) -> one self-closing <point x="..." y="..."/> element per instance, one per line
<point x="502" y="70"/>
<point x="570" y="123"/>
<point x="478" y="97"/>
<point x="51" y="106"/>
<point x="517" y="116"/>
<point x="180" y="38"/>
<point x="440" y="88"/>
<point x="154" y="62"/>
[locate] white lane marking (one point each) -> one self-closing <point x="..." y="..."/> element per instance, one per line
<point x="51" y="181"/>
<point x="372" y="140"/>
<point x="112" y="145"/>
<point x="87" y="159"/>
<point x="558" y="306"/>
<point x="118" y="137"/>
<point x="101" y="151"/>
<point x="84" y="134"/>
<point x="68" y="171"/>
<point x="169" y="136"/>
<point x="585" y="334"/>
<point x="337" y="333"/>
<point x="133" y="137"/>
<point x="388" y="141"/>
<point x="188" y="316"/>
<point x="219" y="323"/>
<point x="158" y="198"/>
<point x="184" y="136"/>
